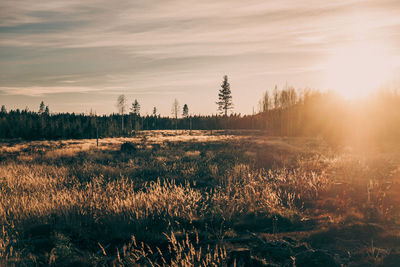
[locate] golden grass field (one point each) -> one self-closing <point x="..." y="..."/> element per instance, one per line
<point x="198" y="200"/>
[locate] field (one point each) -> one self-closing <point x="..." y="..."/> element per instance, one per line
<point x="205" y="199"/>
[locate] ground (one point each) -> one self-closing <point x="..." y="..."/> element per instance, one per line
<point x="171" y="198"/>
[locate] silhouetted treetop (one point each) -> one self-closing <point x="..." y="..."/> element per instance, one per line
<point x="135" y="109"/>
<point x="185" y="111"/>
<point x="3" y="109"/>
<point x="41" y="108"/>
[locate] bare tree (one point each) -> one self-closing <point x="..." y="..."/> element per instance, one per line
<point x="265" y="102"/>
<point x="284" y="99"/>
<point x="276" y="97"/>
<point x="121" y="105"/>
<point x="175" y="111"/>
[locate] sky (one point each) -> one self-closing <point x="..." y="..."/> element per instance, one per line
<point x="78" y="56"/>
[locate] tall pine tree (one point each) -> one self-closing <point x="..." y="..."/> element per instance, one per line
<point x="225" y="97"/>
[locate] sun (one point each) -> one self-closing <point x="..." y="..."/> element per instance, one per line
<point x="357" y="70"/>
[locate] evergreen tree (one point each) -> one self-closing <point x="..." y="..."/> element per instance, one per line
<point x="135" y="109"/>
<point x="3" y="109"/>
<point x="185" y="111"/>
<point x="41" y="108"/>
<point x="154" y="111"/>
<point x="225" y="97"/>
<point x="47" y="110"/>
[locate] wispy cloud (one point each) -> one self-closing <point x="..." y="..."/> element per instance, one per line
<point x="40" y="91"/>
<point x="160" y="45"/>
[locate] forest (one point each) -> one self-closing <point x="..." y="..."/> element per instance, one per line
<point x="286" y="112"/>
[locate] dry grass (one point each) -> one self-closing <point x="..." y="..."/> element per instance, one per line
<point x="194" y="200"/>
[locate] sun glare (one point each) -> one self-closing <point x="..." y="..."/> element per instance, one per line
<point x="358" y="70"/>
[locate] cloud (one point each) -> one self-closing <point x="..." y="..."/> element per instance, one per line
<point x="161" y="46"/>
<point x="39" y="91"/>
<point x="188" y="28"/>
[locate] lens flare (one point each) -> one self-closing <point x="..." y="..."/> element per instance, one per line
<point x="356" y="71"/>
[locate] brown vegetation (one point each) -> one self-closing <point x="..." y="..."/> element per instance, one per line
<point x="200" y="200"/>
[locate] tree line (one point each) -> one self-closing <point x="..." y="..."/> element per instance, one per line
<point x="284" y="112"/>
<point x="31" y="125"/>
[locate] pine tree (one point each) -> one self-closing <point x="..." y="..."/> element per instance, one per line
<point x="3" y="109"/>
<point x="135" y="109"/>
<point x="225" y="97"/>
<point x="154" y="111"/>
<point x="41" y="108"/>
<point x="185" y="111"/>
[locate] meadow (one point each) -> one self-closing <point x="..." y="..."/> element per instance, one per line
<point x="221" y="198"/>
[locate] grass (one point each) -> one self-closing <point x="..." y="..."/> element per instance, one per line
<point x="198" y="200"/>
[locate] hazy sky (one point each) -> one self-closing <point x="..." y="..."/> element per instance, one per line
<point x="80" y="55"/>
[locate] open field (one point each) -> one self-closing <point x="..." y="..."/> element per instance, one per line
<point x="198" y="199"/>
